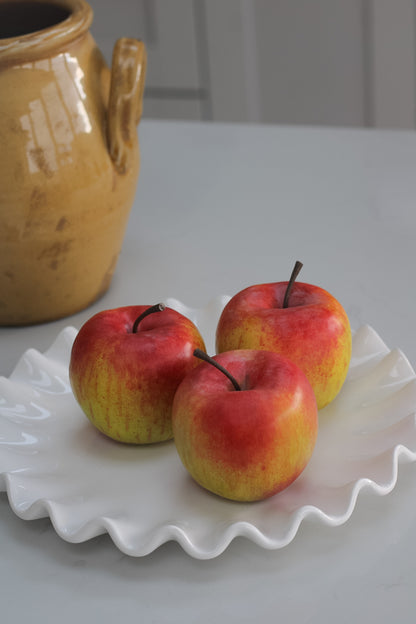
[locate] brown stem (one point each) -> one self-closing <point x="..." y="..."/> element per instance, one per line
<point x="159" y="307"/>
<point x="295" y="273"/>
<point x="207" y="358"/>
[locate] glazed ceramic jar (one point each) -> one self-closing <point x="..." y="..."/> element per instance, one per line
<point x="69" y="157"/>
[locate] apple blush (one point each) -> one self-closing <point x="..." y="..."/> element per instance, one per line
<point x="299" y="321"/>
<point x="125" y="367"/>
<point x="246" y="431"/>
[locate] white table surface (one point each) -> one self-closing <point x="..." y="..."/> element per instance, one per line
<point x="220" y="207"/>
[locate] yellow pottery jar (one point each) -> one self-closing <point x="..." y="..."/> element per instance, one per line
<point x="69" y="157"/>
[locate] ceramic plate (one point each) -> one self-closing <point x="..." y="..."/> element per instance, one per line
<point x="54" y="463"/>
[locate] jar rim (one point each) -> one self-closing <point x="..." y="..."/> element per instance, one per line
<point x="39" y="43"/>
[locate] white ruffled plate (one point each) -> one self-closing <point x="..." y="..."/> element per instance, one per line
<point x="54" y="463"/>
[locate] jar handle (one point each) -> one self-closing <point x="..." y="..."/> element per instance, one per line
<point x="125" y="106"/>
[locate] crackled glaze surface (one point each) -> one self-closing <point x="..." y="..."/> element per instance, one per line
<point x="69" y="162"/>
<point x="54" y="463"/>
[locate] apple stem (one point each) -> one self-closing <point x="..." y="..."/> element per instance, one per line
<point x="295" y="273"/>
<point x="159" y="307"/>
<point x="207" y="358"/>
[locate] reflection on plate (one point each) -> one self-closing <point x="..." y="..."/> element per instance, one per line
<point x="54" y="463"/>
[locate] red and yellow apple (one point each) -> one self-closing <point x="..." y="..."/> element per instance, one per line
<point x="125" y="367"/>
<point x="303" y="322"/>
<point x="247" y="431"/>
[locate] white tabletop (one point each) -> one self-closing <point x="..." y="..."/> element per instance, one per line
<point x="220" y="207"/>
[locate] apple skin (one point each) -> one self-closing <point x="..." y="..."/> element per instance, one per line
<point x="313" y="331"/>
<point x="124" y="381"/>
<point x="245" y="445"/>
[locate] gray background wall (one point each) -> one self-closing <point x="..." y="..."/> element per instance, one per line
<point x="319" y="62"/>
